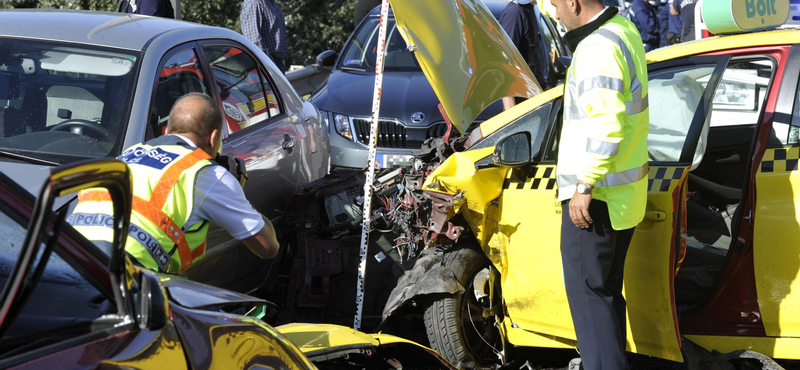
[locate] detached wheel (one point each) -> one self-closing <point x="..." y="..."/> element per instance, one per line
<point x="461" y="327"/>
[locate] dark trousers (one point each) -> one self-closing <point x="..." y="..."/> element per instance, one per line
<point x="594" y="260"/>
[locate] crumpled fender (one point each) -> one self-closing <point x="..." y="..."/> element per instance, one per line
<point x="437" y="271"/>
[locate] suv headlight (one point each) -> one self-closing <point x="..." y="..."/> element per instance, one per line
<point x="341" y="124"/>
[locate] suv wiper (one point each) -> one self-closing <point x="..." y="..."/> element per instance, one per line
<point x="27" y="158"/>
<point x="356" y="69"/>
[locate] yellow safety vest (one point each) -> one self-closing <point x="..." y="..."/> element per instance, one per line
<point x="163" y="188"/>
<point x="604" y="135"/>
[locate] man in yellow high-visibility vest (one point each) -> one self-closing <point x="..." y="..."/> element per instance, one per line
<point x="177" y="189"/>
<point x="602" y="172"/>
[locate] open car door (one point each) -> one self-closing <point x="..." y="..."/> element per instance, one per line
<point x="528" y="230"/>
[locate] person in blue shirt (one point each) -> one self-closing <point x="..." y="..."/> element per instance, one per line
<point x="674" y="27"/>
<point x="645" y="17"/>
<point x="156" y="8"/>
<point x="685" y="9"/>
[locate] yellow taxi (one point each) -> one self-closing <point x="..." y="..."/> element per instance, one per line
<point x="713" y="266"/>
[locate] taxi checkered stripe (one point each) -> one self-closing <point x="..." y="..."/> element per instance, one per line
<point x="660" y="178"/>
<point x="780" y="160"/>
<point x="538" y="178"/>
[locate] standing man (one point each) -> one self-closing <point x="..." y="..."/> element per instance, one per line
<point x="602" y="172"/>
<point x="645" y="18"/>
<point x="674" y="25"/>
<point x="177" y="189"/>
<point x="156" y="8"/>
<point x="518" y="19"/>
<point x="684" y="8"/>
<point x="264" y="25"/>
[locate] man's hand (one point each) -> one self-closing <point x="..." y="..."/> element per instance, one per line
<point x="579" y="209"/>
<point x="235" y="166"/>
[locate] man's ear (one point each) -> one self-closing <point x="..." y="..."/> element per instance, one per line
<point x="213" y="139"/>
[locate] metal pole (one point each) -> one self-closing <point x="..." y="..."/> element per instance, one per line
<point x="373" y="137"/>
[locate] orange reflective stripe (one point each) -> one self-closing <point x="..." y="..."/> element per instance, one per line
<point x="199" y="251"/>
<point x="94" y="195"/>
<point x="163" y="187"/>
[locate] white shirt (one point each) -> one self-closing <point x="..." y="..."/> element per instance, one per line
<point x="597" y="15"/>
<point x="219" y="198"/>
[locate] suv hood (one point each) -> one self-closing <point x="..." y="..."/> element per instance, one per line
<point x="465" y="54"/>
<point x="351" y="93"/>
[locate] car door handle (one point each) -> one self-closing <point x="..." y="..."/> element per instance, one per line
<point x="655" y="216"/>
<point x="732" y="159"/>
<point x="289" y="143"/>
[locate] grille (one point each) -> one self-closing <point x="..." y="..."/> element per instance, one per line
<point x="390" y="133"/>
<point x="437" y="130"/>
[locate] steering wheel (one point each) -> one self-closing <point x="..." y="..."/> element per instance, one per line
<point x="78" y="126"/>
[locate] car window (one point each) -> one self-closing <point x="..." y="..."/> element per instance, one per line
<point x="63" y="303"/>
<point x="793" y="135"/>
<point x="741" y="95"/>
<point x="534" y="123"/>
<point x="360" y="52"/>
<point x="64" y="102"/>
<point x="674" y="96"/>
<point x="180" y="75"/>
<point x="245" y="99"/>
<point x="552" y="48"/>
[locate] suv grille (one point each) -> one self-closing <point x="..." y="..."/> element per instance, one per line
<point x="390" y="133"/>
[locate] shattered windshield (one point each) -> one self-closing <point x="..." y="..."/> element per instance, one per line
<point x="63" y="102"/>
<point x="360" y="52"/>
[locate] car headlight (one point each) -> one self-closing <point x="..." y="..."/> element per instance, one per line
<point x="342" y="125"/>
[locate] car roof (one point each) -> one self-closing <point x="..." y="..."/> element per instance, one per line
<point x="728" y="42"/>
<point x="495" y="6"/>
<point x="118" y="30"/>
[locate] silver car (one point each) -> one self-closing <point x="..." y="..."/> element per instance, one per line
<point x="85" y="85"/>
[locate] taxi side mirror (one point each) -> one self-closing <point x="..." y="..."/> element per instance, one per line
<point x="514" y="150"/>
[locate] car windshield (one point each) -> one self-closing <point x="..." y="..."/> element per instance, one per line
<point x="63" y="102"/>
<point x="360" y="52"/>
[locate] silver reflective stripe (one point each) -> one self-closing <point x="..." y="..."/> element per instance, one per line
<point x="602" y="147"/>
<point x="603" y="82"/>
<point x="639" y="103"/>
<point x="612" y="179"/>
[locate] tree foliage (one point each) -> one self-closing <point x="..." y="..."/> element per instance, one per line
<point x="312" y="26"/>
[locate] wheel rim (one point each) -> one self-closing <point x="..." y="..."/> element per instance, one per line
<point x="481" y="335"/>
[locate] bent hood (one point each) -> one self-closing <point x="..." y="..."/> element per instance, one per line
<point x="465" y="54"/>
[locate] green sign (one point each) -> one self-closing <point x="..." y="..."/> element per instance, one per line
<point x="731" y="16"/>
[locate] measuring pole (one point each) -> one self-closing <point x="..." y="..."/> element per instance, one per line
<point x="373" y="137"/>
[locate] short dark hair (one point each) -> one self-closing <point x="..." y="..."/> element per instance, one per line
<point x="199" y="119"/>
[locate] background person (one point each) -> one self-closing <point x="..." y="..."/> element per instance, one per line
<point x="157" y="8"/>
<point x="518" y="20"/>
<point x="685" y="9"/>
<point x="645" y="18"/>
<point x="263" y="24"/>
<point x="601" y="173"/>
<point x="177" y="189"/>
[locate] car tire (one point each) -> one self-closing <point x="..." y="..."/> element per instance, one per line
<point x="464" y="340"/>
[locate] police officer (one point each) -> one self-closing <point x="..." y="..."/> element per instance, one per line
<point x="601" y="173"/>
<point x="177" y="189"/>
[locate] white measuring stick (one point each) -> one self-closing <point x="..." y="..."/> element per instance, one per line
<point x="373" y="152"/>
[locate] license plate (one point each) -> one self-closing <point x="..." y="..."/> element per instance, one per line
<point x="394" y="160"/>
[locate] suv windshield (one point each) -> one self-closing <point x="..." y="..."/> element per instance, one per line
<point x="63" y="102"/>
<point x="360" y="52"/>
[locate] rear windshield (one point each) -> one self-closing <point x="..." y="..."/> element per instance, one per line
<point x="360" y="52"/>
<point x="63" y="102"/>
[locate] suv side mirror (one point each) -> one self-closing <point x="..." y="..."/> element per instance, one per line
<point x="327" y="58"/>
<point x="151" y="302"/>
<point x="561" y="65"/>
<point x="514" y="150"/>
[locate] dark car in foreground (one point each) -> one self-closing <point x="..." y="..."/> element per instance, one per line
<point x="409" y="107"/>
<point x="90" y="84"/>
<point x="66" y="303"/>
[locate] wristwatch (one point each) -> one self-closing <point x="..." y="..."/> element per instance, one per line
<point x="584" y="189"/>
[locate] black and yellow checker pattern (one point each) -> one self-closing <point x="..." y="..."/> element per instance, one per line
<point x="780" y="160"/>
<point x="536" y="178"/>
<point x="659" y="179"/>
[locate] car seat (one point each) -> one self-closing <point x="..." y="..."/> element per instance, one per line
<point x="66" y="102"/>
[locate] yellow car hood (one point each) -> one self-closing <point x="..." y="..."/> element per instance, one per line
<point x="465" y="54"/>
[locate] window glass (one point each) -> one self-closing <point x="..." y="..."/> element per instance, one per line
<point x="792" y="137"/>
<point x="236" y="74"/>
<point x="63" y="102"/>
<point x="550" y="42"/>
<point x="62" y="305"/>
<point x="534" y="122"/>
<point x="180" y="75"/>
<point x="674" y="95"/>
<point x="741" y="94"/>
<point x="360" y="53"/>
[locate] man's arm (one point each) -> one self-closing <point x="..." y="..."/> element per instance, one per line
<point x="264" y="243"/>
<point x="675" y="8"/>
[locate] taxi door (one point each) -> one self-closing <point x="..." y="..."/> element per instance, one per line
<point x="528" y="230"/>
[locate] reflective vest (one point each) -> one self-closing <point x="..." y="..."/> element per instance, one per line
<point x="604" y="136"/>
<point x="163" y="188"/>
